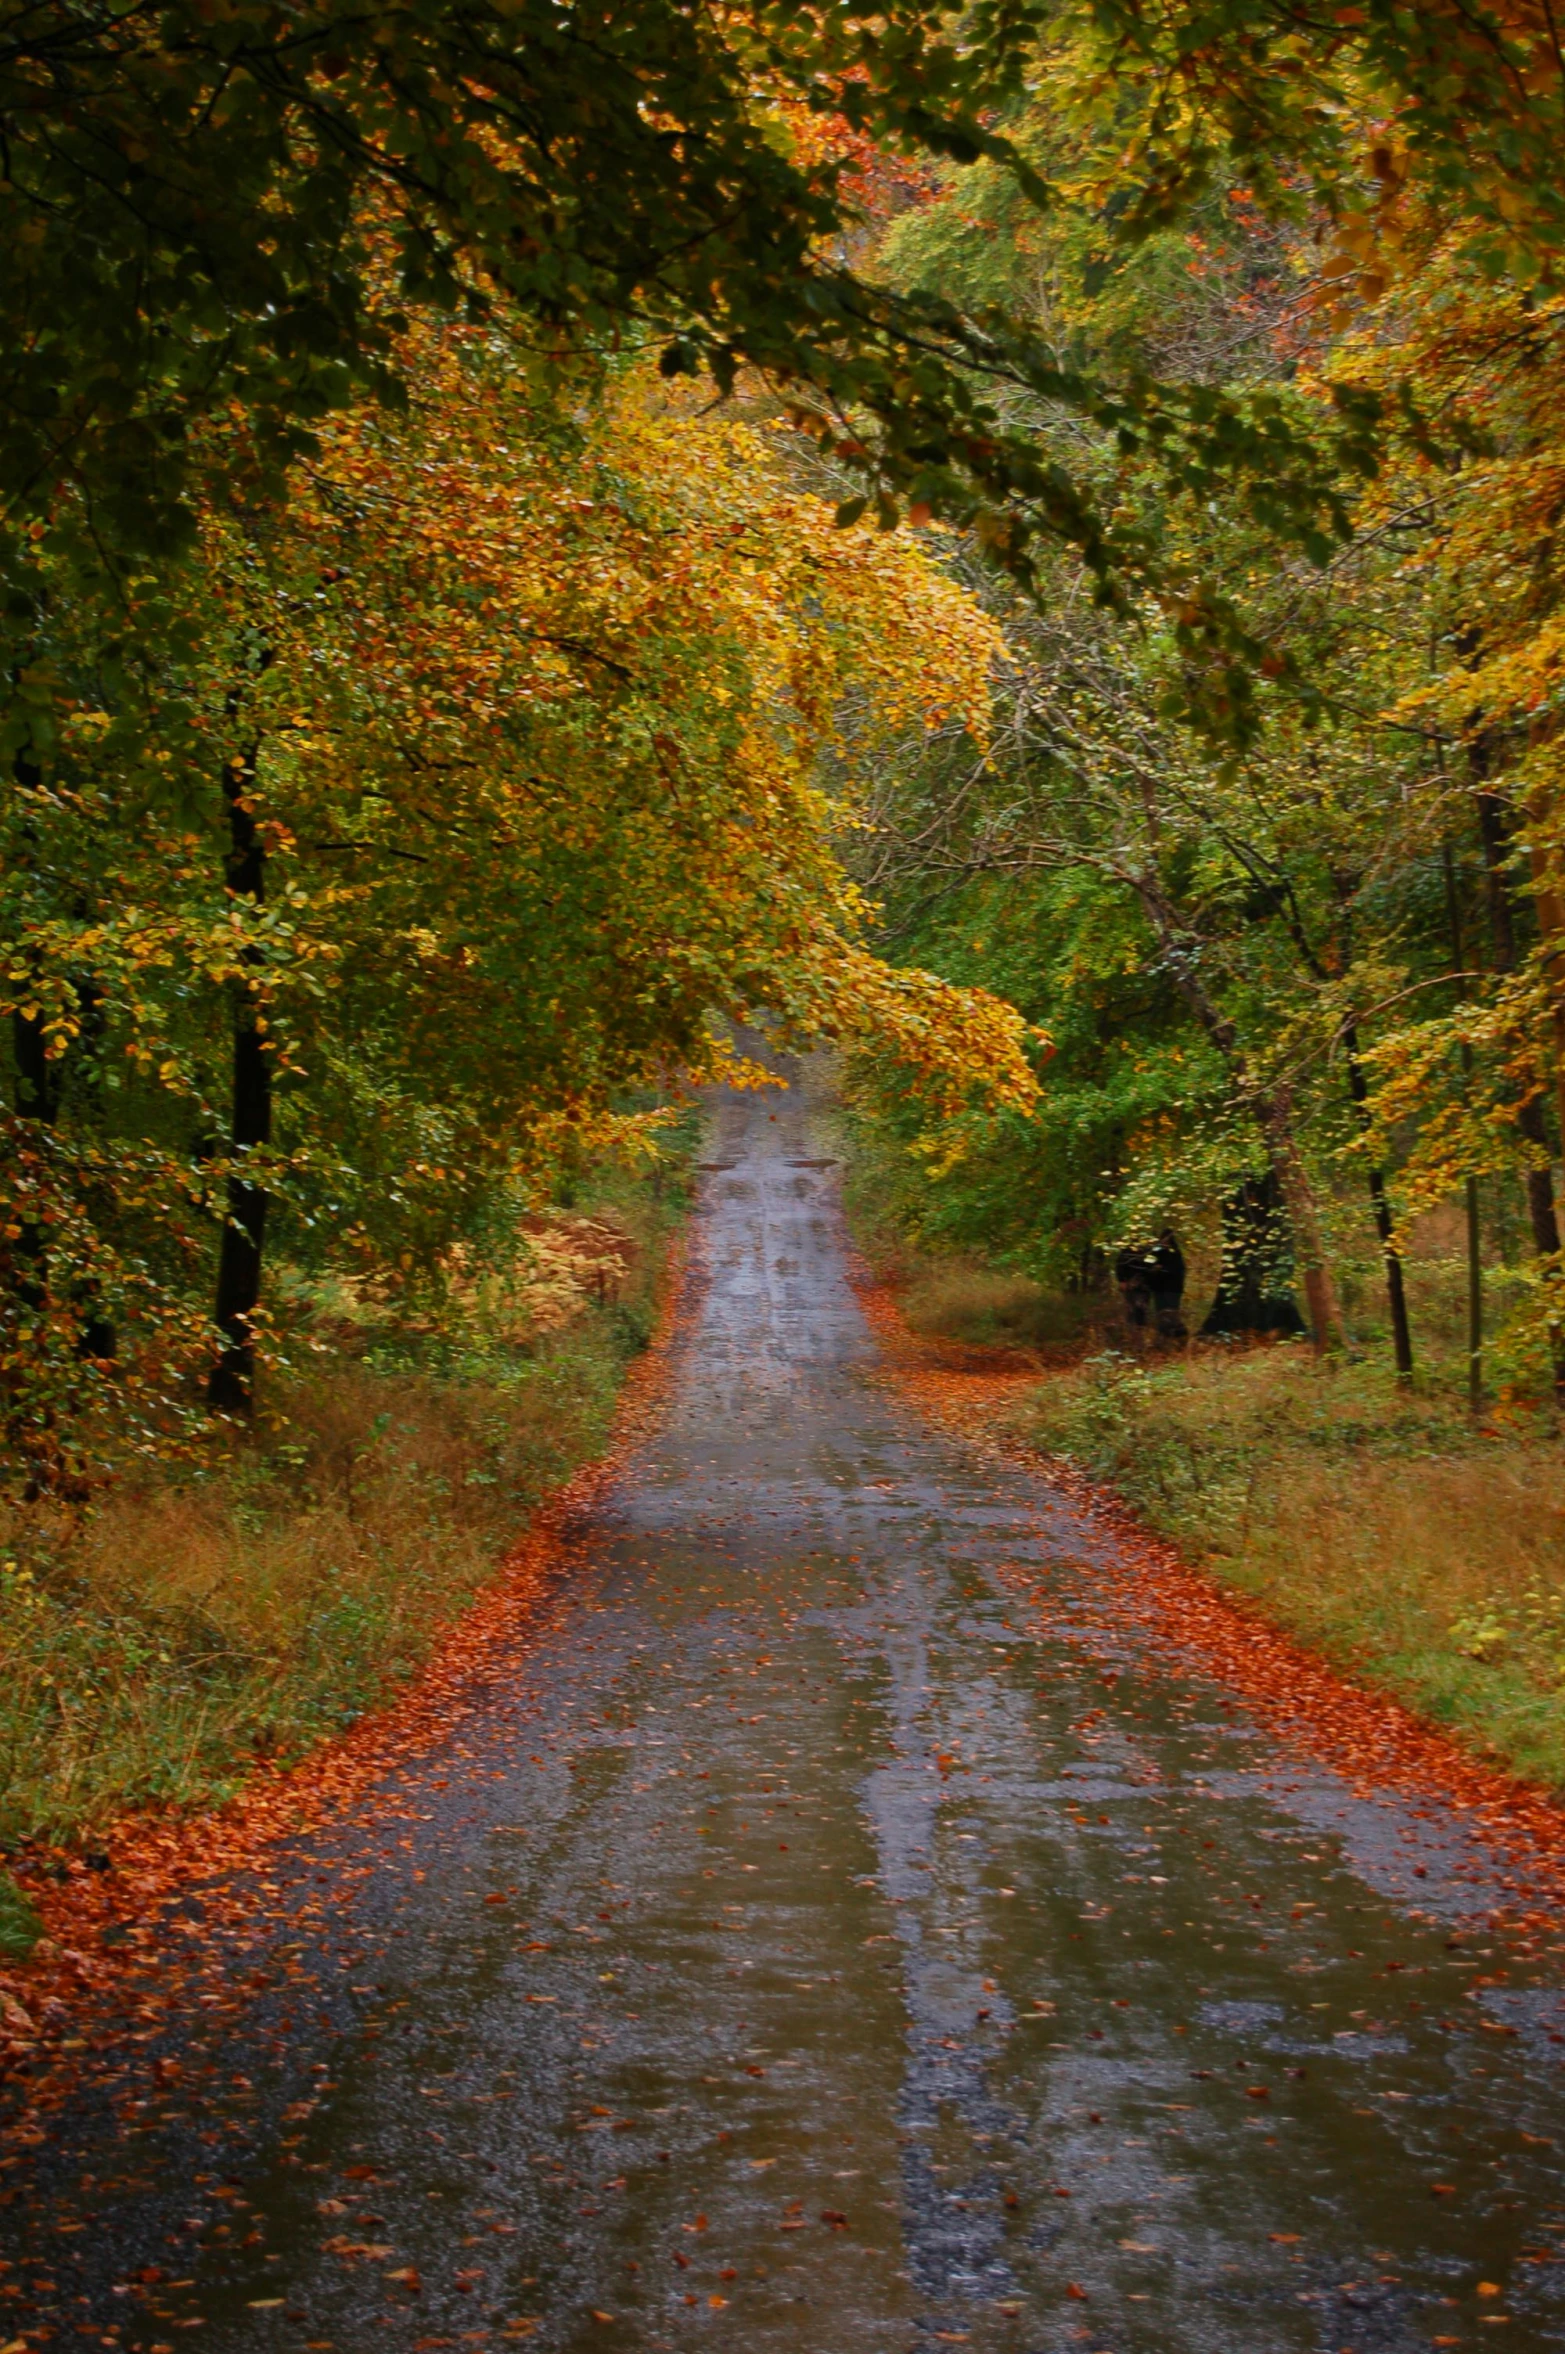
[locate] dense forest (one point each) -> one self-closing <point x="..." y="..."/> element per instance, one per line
<point x="1022" y="541"/>
<point x="1298" y="964"/>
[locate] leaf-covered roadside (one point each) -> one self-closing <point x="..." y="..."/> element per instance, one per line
<point x="1380" y="1529"/>
<point x="154" y="1651"/>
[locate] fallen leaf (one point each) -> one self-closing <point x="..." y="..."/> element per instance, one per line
<point x="1490" y="2288"/>
<point x="1284" y="2239"/>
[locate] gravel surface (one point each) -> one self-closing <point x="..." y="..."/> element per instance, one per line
<point x="813" y="1946"/>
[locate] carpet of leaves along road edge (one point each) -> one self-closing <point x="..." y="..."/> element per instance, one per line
<point x="1372" y="1740"/>
<point x="151" y="1857"/>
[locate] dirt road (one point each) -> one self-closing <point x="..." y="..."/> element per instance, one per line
<point x="813" y="1948"/>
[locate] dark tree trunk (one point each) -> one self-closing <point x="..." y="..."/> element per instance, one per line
<point x="1494" y="830"/>
<point x="37" y="1098"/>
<point x="231" y="1382"/>
<point x="1292" y="1199"/>
<point x="39" y="1081"/>
<point x="1453" y="910"/>
<point x="1252" y="1292"/>
<point x="1396" y="1289"/>
<point x="37" y="1078"/>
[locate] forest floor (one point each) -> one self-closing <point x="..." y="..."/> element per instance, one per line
<point x="214" y="1618"/>
<point x="838" y="1896"/>
<point x="1415" y="1549"/>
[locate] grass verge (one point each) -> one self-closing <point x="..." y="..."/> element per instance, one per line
<point x="1420" y="1553"/>
<point x="1423" y="1555"/>
<point x="242" y="1608"/>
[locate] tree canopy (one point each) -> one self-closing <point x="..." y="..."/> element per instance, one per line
<point x="527" y="531"/>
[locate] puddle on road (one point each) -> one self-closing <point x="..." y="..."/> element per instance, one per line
<point x="819" y="1952"/>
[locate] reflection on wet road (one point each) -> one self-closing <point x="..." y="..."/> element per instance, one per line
<point x="818" y="1950"/>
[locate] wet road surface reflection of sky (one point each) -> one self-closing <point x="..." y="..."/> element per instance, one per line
<point x="814" y="1948"/>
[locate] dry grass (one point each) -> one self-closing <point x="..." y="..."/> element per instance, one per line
<point x="157" y="1648"/>
<point x="1426" y="1556"/>
<point x="196" y="1620"/>
<point x="954" y="1299"/>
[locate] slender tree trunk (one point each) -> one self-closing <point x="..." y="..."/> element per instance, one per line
<point x="1385" y="1227"/>
<point x="1548" y="898"/>
<point x="1494" y="829"/>
<point x="37" y="1098"/>
<point x="1453" y="909"/>
<point x="231" y="1382"/>
<point x="1380" y="1200"/>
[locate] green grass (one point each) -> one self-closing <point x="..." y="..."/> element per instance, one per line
<point x="20" y="1927"/>
<point x="954" y="1299"/>
<point x="1421" y="1554"/>
<point x="200" y="1619"/>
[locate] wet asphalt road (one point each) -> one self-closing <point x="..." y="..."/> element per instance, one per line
<point x="816" y="1948"/>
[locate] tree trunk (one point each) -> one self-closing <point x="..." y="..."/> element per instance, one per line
<point x="1453" y="910"/>
<point x="1396" y="1289"/>
<point x="1327" y="1329"/>
<point x="1494" y="832"/>
<point x="1252" y="1294"/>
<point x="1548" y="899"/>
<point x="37" y="1078"/>
<point x="231" y="1382"/>
<point x="1272" y="1108"/>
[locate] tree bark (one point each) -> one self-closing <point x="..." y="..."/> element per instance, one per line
<point x="1453" y="909"/>
<point x="1396" y="1288"/>
<point x="1380" y="1200"/>
<point x="231" y="1382"/>
<point x="1494" y="832"/>
<point x="1251" y="1295"/>
<point x="1272" y="1109"/>
<point x="37" y="1078"/>
<point x="1548" y="900"/>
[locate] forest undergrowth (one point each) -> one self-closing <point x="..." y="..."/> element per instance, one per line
<point x="1408" y="1546"/>
<point x="1417" y="1548"/>
<point x="200" y="1619"/>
